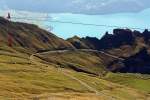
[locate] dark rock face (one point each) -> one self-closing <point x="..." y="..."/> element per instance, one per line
<point x="138" y="63"/>
<point x="146" y="35"/>
<point x="120" y="37"/>
<point x="92" y="42"/>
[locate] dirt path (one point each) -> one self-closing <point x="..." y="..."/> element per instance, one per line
<point x="66" y="74"/>
<point x="83" y="50"/>
<point x="107" y="54"/>
<point x="81" y="82"/>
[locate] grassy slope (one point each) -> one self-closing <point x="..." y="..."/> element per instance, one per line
<point x="22" y="79"/>
<point x="138" y="81"/>
<point x="89" y="62"/>
<point x="26" y="81"/>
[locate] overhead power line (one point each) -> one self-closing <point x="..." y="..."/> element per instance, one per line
<point x="48" y="19"/>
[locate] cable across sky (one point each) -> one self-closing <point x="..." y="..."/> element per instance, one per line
<point x="48" y="19"/>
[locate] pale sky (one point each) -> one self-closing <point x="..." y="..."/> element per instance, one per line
<point x="122" y="13"/>
<point x="77" y="6"/>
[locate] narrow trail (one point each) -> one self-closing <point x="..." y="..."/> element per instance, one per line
<point x="66" y="74"/>
<point x="72" y="77"/>
<point x="83" y="50"/>
<point x="98" y="93"/>
<point x="81" y="82"/>
<point x="102" y="52"/>
<point x="31" y="59"/>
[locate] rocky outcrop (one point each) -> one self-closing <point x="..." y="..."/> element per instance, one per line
<point x="118" y="38"/>
<point x="133" y="46"/>
<point x="138" y="63"/>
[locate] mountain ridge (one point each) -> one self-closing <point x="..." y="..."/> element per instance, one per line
<point x="30" y="36"/>
<point x="123" y="43"/>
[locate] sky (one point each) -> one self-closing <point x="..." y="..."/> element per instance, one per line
<point x="123" y="13"/>
<point x="129" y="20"/>
<point x="77" y="6"/>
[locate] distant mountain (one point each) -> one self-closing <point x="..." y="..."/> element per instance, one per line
<point x="119" y="39"/>
<point x="132" y="46"/>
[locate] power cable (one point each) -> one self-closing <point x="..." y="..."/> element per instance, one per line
<point x="75" y="23"/>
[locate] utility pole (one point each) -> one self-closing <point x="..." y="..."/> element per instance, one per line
<point x="8" y="16"/>
<point x="10" y="36"/>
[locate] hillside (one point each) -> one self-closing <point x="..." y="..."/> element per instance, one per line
<point x="39" y="65"/>
<point x="29" y="36"/>
<point x="78" y="60"/>
<point x="22" y="77"/>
